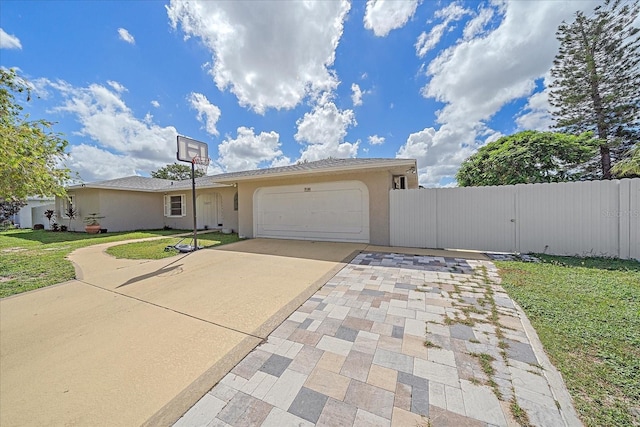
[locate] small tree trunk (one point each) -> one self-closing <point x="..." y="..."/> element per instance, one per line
<point x="605" y="161"/>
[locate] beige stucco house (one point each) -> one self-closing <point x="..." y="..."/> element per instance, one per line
<point x="332" y="200"/>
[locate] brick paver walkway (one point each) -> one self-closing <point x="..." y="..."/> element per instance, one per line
<point x="391" y="340"/>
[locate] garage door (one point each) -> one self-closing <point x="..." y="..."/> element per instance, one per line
<point x="331" y="211"/>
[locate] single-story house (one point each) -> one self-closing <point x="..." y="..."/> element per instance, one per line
<point x="33" y="212"/>
<point x="333" y="200"/>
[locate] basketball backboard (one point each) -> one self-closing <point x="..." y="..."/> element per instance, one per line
<point x="189" y="148"/>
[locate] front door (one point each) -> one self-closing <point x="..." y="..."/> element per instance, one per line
<point x="208" y="210"/>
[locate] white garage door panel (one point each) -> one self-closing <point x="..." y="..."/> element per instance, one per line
<point x="337" y="211"/>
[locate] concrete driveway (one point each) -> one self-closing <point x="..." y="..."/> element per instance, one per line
<point x="138" y="342"/>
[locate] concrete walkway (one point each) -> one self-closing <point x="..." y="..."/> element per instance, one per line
<point x="133" y="342"/>
<point x="400" y="340"/>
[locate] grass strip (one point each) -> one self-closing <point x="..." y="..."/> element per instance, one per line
<point x="157" y="249"/>
<point x="32" y="259"/>
<point x="586" y="312"/>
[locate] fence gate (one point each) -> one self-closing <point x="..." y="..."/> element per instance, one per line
<point x="455" y="218"/>
<point x="594" y="218"/>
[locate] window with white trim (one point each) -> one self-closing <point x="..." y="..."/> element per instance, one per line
<point x="175" y="205"/>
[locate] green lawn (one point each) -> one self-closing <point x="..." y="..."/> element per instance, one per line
<point x="31" y="259"/>
<point x="587" y="314"/>
<point x="156" y="248"/>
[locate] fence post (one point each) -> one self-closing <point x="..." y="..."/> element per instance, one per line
<point x="624" y="216"/>
<point x="634" y="218"/>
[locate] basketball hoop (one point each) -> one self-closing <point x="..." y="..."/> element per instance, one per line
<point x="201" y="164"/>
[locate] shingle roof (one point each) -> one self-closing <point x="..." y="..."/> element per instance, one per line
<point x="141" y="183"/>
<point x="136" y="183"/>
<point x="326" y="165"/>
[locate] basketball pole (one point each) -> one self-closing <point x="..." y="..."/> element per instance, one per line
<point x="193" y="199"/>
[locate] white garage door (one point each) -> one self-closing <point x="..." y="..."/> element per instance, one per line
<point x="331" y="211"/>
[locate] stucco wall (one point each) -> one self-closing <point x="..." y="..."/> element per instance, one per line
<point x="138" y="210"/>
<point x="86" y="201"/>
<point x="130" y="210"/>
<point x="378" y="182"/>
<point x="122" y="210"/>
<point x="33" y="213"/>
<point x="229" y="216"/>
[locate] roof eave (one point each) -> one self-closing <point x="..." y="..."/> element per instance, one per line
<point x="106" y="187"/>
<point x="328" y="170"/>
<point x="188" y="188"/>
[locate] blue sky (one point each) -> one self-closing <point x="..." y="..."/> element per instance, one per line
<point x="271" y="83"/>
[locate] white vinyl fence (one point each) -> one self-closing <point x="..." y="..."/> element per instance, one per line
<point x="595" y="218"/>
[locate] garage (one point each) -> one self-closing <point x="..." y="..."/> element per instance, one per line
<point x="331" y="211"/>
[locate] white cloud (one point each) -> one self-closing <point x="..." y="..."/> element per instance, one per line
<point x="116" y="86"/>
<point x="376" y="140"/>
<point x="9" y="41"/>
<point x="435" y="160"/>
<point x="94" y="163"/>
<point x="427" y="41"/>
<point x="477" y="25"/>
<point x="248" y="150"/>
<point x="476" y="77"/>
<point x="452" y="12"/>
<point x="155" y="103"/>
<point x="281" y="161"/>
<point x="382" y="16"/>
<point x="536" y="115"/>
<point x="356" y="95"/>
<point x="207" y="112"/>
<point x="324" y="129"/>
<point x="126" y="144"/>
<point x="269" y="54"/>
<point x="126" y="36"/>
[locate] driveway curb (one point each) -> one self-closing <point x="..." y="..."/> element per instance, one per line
<point x="553" y="376"/>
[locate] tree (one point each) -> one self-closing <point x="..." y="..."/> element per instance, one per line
<point x="597" y="79"/>
<point x="528" y="157"/>
<point x="629" y="167"/>
<point x="9" y="208"/>
<point x="31" y="153"/>
<point x="176" y="172"/>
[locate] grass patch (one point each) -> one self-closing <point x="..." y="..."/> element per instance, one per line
<point x="156" y="248"/>
<point x="32" y="259"/>
<point x="519" y="414"/>
<point x="586" y="312"/>
<point x="485" y="363"/>
<point x="430" y="344"/>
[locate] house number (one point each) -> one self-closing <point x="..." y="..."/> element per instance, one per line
<point x="307" y="189"/>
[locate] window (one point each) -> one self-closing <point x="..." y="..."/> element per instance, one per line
<point x="399" y="182"/>
<point x="68" y="203"/>
<point x="175" y="205"/>
<point x="235" y="201"/>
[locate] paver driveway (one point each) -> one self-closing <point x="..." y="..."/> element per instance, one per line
<point x="396" y="340"/>
<point x="139" y="341"/>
